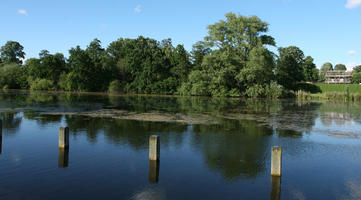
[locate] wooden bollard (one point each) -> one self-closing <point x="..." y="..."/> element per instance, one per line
<point x="276" y="161"/>
<point x="64" y="137"/>
<point x="154" y="147"/>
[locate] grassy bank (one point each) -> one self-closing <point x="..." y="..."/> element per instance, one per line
<point x="353" y="88"/>
<point x="335" y="92"/>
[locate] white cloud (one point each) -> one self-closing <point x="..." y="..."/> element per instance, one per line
<point x="351" y="52"/>
<point x="138" y="9"/>
<point x="22" y="12"/>
<point x="352" y="4"/>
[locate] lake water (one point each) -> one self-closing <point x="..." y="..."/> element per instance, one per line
<point x="209" y="148"/>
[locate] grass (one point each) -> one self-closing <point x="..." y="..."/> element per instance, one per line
<point x="353" y="88"/>
<point x="334" y="92"/>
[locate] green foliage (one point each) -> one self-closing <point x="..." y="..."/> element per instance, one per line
<point x="289" y="68"/>
<point x="356" y="77"/>
<point x="310" y="72"/>
<point x="357" y="68"/>
<point x="325" y="67"/>
<point x="47" y="66"/>
<point x="309" y="88"/>
<point x="41" y="84"/>
<point x="115" y="87"/>
<point x="341" y="67"/>
<point x="12" y="52"/>
<point x="13" y="76"/>
<point x="231" y="61"/>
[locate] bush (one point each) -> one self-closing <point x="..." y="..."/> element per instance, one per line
<point x="41" y="84"/>
<point x="274" y="90"/>
<point x="356" y="77"/>
<point x="115" y="87"/>
<point x="256" y="91"/>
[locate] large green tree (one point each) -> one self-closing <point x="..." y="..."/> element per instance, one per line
<point x="340" y="67"/>
<point x="289" y="68"/>
<point x="231" y="41"/>
<point x="357" y="68"/>
<point x="12" y="52"/>
<point x="325" y="67"/>
<point x="310" y="72"/>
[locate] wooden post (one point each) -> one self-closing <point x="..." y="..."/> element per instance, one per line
<point x="154" y="147"/>
<point x="64" y="137"/>
<point x="276" y="161"/>
<point x="153" y="172"/>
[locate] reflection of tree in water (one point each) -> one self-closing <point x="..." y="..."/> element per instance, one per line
<point x="296" y="116"/>
<point x="42" y="119"/>
<point x="340" y="113"/>
<point x="233" y="148"/>
<point x="11" y="122"/>
<point x="133" y="133"/>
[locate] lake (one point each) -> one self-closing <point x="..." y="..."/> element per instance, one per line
<point x="210" y="148"/>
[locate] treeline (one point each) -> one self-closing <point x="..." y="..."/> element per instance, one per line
<point x="232" y="60"/>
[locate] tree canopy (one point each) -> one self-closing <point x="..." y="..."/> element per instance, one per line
<point x="233" y="59"/>
<point x="341" y="67"/>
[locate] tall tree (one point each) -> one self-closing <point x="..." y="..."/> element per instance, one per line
<point x="12" y="52"/>
<point x="231" y="40"/>
<point x="198" y="52"/>
<point x="289" y="68"/>
<point x="325" y="67"/>
<point x="309" y="72"/>
<point x="357" y="68"/>
<point x="340" y="67"/>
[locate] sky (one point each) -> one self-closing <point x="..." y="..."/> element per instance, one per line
<point x="327" y="30"/>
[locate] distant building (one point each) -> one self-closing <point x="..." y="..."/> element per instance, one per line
<point x="338" y="77"/>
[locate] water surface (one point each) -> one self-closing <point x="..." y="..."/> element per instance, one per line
<point x="210" y="148"/>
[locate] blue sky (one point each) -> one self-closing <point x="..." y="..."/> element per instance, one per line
<point x="328" y="30"/>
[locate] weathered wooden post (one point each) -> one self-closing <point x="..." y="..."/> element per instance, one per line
<point x="64" y="137"/>
<point x="154" y="147"/>
<point x="153" y="171"/>
<point x="63" y="157"/>
<point x="276" y="161"/>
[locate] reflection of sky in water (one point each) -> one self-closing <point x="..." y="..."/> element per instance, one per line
<point x="347" y="132"/>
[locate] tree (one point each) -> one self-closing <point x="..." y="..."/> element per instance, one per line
<point x="231" y="41"/>
<point x="198" y="52"/>
<point x="309" y="70"/>
<point x="48" y="66"/>
<point x="357" y="68"/>
<point x="356" y="77"/>
<point x="340" y="67"/>
<point x="12" y="52"/>
<point x="289" y="68"/>
<point x="13" y="76"/>
<point x="325" y="67"/>
<point x="259" y="68"/>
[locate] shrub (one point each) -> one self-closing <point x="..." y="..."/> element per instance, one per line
<point x="41" y="84"/>
<point x="274" y="90"/>
<point x="115" y="87"/>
